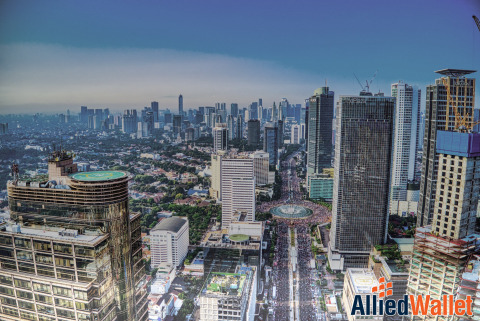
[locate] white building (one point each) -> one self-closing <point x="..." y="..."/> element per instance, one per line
<point x="296" y="134"/>
<point x="237" y="188"/>
<point x="220" y="137"/>
<point x="407" y="126"/>
<point x="163" y="279"/>
<point x="359" y="282"/>
<point x="261" y="167"/>
<point x="169" y="241"/>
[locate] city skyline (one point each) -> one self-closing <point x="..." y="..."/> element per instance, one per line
<point x="55" y="56"/>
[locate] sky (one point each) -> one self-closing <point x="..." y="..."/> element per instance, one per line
<point x="59" y="55"/>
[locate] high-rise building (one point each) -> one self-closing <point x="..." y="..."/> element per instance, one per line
<point x="295" y="134"/>
<point x="274" y="113"/>
<point x="154" y="107"/>
<point x="180" y="105"/>
<point x="261" y="167"/>
<point x="363" y="150"/>
<point x="283" y="107"/>
<point x="270" y="142"/>
<point x="3" y="128"/>
<point x="231" y="127"/>
<point x="280" y="133"/>
<point x="234" y="109"/>
<point x="220" y="137"/>
<point x="237" y="188"/>
<point x="129" y="121"/>
<point x="441" y="251"/>
<point x="253" y="132"/>
<point x="405" y="149"/>
<point x="169" y="241"/>
<point x="74" y="251"/>
<point x="450" y="90"/>
<point x="320" y="115"/>
<point x="253" y="111"/>
<point x="239" y="127"/>
<point x="177" y="125"/>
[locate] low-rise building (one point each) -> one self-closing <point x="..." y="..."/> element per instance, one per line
<point x="358" y="282"/>
<point x="229" y="296"/>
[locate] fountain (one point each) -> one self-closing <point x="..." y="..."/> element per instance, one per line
<point x="291" y="211"/>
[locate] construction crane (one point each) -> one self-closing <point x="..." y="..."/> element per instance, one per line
<point x="366" y="88"/>
<point x="477" y="22"/>
<point x="463" y="123"/>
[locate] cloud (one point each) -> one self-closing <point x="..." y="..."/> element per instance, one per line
<point x="40" y="78"/>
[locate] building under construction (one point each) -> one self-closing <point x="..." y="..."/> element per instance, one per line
<point x="437" y="265"/>
<point x="470" y="286"/>
<point x="72" y="249"/>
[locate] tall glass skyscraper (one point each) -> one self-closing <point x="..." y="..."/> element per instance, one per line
<point x="363" y="152"/>
<point x="320" y="115"/>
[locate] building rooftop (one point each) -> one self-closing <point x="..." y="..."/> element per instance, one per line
<point x="362" y="280"/>
<point x="98" y="176"/>
<point x="172" y="224"/>
<point x="56" y="236"/>
<point x="459" y="144"/>
<point x="225" y="283"/>
<point x="454" y="72"/>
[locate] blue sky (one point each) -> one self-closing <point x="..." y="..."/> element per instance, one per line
<point x="56" y="55"/>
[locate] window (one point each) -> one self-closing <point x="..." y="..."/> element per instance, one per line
<point x="40" y="287"/>
<point x="62" y="248"/>
<point x="22" y="284"/>
<point x="42" y="246"/>
<point x="62" y="291"/>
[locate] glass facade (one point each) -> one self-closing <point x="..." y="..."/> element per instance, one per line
<point x="363" y="154"/>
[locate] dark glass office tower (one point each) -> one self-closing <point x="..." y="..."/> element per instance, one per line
<point x="270" y="142"/>
<point x="438" y="117"/>
<point x="363" y="152"/>
<point x="320" y="115"/>
<point x="253" y="132"/>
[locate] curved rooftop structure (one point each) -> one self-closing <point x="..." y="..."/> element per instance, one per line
<point x="98" y="176"/>
<point x="172" y="224"/>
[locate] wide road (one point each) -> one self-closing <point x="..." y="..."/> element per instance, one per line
<point x="281" y="275"/>
<point x="305" y="282"/>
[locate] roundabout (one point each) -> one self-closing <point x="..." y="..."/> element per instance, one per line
<point x="291" y="211"/>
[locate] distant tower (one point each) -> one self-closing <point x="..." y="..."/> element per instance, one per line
<point x="220" y="137"/>
<point x="234" y="109"/>
<point x="363" y="151"/>
<point x="253" y="132"/>
<point x="270" y="142"/>
<point x="180" y="105"/>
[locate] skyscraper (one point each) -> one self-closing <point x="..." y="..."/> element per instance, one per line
<point x="231" y="127"/>
<point x="220" y="137"/>
<point x="453" y="89"/>
<point x="363" y="150"/>
<point x="237" y="188"/>
<point x="239" y="127"/>
<point x="129" y="121"/>
<point x="320" y="115"/>
<point x="407" y="125"/>
<point x="73" y="251"/>
<point x="270" y="142"/>
<point x="180" y="105"/>
<point x="169" y="241"/>
<point x="295" y="135"/>
<point x="154" y="107"/>
<point x="177" y="125"/>
<point x="441" y="251"/>
<point x="253" y="132"/>
<point x="234" y="109"/>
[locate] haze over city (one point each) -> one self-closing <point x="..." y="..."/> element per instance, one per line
<point x="56" y="55"/>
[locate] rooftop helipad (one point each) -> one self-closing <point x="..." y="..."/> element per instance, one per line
<point x="98" y="176"/>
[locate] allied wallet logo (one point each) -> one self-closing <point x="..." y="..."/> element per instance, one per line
<point x="377" y="304"/>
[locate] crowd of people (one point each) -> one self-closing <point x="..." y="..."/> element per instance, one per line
<point x="306" y="284"/>
<point x="281" y="308"/>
